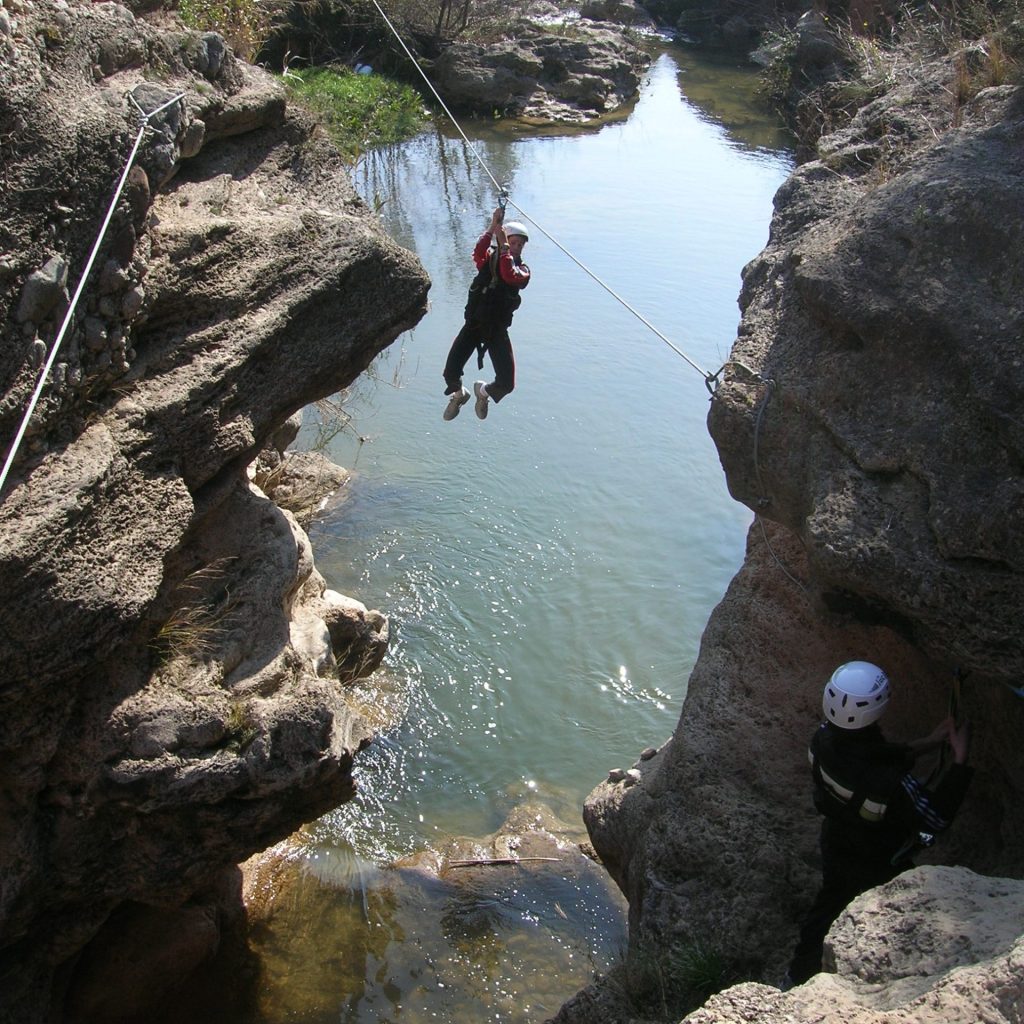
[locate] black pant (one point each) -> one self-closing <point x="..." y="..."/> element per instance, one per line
<point x="849" y="866"/>
<point x="499" y="348"/>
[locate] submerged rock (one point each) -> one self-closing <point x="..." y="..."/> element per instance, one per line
<point x="504" y="924"/>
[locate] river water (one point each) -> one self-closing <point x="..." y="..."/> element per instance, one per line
<point x="547" y="572"/>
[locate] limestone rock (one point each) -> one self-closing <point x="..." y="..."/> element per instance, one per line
<point x="210" y="55"/>
<point x="169" y="697"/>
<point x="283" y="437"/>
<point x="44" y="290"/>
<point x="817" y="45"/>
<point x="934" y="945"/>
<point x="621" y="12"/>
<point x="887" y="315"/>
<point x="543" y="76"/>
<point x="359" y="637"/>
<point x="300" y="481"/>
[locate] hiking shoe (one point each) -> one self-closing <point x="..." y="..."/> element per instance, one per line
<point x="481" y="399"/>
<point x="455" y="403"/>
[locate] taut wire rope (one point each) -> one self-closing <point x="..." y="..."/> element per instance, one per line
<point x="51" y="359"/>
<point x="710" y="379"/>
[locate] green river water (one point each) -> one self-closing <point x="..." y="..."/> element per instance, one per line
<point x="547" y="572"/>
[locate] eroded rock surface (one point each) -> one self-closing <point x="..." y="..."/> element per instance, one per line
<point x="867" y="416"/>
<point x="934" y="945"/>
<point x="170" y="701"/>
<point x="887" y="313"/>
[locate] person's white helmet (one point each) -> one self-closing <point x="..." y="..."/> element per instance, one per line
<point x="856" y="695"/>
<point x="513" y="227"/>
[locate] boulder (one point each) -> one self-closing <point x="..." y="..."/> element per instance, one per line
<point x="300" y="481"/>
<point x="543" y="76"/>
<point x="817" y="45"/>
<point x="934" y="945"/>
<point x="45" y="292"/>
<point x="359" y="637"/>
<point x="619" y="12"/>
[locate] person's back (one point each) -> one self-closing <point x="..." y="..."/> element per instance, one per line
<point x="857" y="780"/>
<point x="875" y="811"/>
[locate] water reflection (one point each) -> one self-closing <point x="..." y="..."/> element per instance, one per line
<point x="720" y="87"/>
<point x="439" y="161"/>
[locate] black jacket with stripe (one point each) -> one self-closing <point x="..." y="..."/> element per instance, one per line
<point x="864" y="785"/>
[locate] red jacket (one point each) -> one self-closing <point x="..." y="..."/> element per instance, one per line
<point x="515" y="274"/>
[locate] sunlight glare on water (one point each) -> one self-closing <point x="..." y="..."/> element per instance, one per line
<point x="547" y="572"/>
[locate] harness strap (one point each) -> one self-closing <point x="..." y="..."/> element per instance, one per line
<point x="492" y="263"/>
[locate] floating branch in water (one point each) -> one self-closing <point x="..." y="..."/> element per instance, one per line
<point x="496" y="860"/>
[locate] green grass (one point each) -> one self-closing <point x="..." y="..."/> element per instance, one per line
<point x="359" y="111"/>
<point x="667" y="982"/>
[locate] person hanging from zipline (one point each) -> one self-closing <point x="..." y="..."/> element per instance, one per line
<point x="494" y="296"/>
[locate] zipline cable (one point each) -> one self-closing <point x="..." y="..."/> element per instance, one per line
<point x="44" y="375"/>
<point x="437" y="96"/>
<point x="710" y="379"/>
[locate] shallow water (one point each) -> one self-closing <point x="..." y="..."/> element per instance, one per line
<point x="547" y="572"/>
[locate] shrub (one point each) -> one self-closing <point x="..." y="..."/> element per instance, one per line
<point x="671" y="981"/>
<point x="359" y="111"/>
<point x="244" y="24"/>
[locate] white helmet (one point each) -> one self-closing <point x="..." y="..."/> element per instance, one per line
<point x="513" y="227"/>
<point x="856" y="695"/>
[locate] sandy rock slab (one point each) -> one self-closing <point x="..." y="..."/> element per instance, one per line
<point x="936" y="945"/>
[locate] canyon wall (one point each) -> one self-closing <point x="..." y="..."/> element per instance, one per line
<point x="171" y="699"/>
<point x="870" y="416"/>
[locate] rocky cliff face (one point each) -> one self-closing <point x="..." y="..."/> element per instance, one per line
<point x="955" y="955"/>
<point x="170" y="697"/>
<point x="870" y="415"/>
